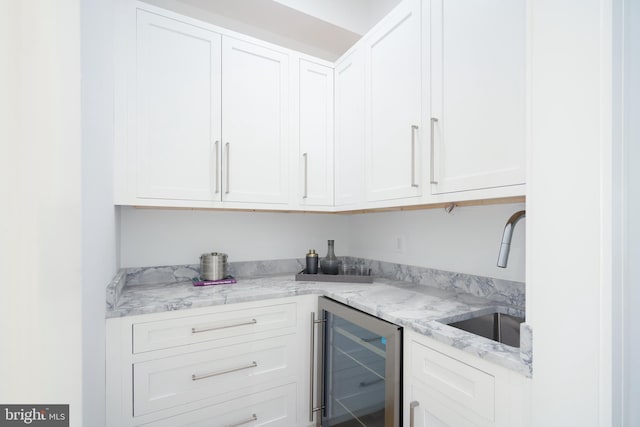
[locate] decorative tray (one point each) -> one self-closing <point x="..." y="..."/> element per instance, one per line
<point x="347" y="278"/>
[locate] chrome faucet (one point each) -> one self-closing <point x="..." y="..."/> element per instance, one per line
<point x="505" y="246"/>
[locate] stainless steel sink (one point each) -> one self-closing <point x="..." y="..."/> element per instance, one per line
<point x="495" y="326"/>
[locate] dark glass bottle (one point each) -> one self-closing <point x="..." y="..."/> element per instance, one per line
<point x="330" y="263"/>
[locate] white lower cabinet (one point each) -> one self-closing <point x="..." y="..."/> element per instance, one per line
<point x="444" y="387"/>
<point x="273" y="408"/>
<point x="238" y="364"/>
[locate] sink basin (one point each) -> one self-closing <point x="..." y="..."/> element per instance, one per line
<point x="495" y="326"/>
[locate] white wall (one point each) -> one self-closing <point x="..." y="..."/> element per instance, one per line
<point x="40" y="244"/>
<point x="631" y="230"/>
<point x="568" y="205"/>
<point x="465" y="241"/>
<point x="99" y="262"/>
<point x="151" y="237"/>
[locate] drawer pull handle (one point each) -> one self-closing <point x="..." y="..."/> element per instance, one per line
<point x="195" y="377"/>
<point x="254" y="417"/>
<point x="215" y="328"/>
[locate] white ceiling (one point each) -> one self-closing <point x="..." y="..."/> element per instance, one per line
<point x="323" y="28"/>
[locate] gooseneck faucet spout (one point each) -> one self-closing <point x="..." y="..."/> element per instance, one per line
<point x="505" y="246"/>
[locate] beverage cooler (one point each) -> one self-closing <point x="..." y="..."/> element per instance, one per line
<point x="359" y="377"/>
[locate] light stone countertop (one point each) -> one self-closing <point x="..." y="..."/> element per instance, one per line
<point x="423" y="309"/>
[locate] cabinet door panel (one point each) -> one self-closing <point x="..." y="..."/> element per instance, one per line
<point x="350" y="127"/>
<point x="478" y="55"/>
<point x="255" y="112"/>
<point x="431" y="413"/>
<point x="394" y="88"/>
<point x="178" y="121"/>
<point x="316" y="133"/>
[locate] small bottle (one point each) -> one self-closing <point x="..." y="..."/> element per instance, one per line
<point x="312" y="262"/>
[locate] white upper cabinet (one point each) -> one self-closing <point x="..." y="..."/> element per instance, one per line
<point x="255" y="123"/>
<point x="478" y="93"/>
<point x="315" y="131"/>
<point x="178" y="105"/>
<point x="349" y="129"/>
<point x="393" y="105"/>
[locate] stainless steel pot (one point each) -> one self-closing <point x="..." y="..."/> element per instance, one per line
<point x="213" y="266"/>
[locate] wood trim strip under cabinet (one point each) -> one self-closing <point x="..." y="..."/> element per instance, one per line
<point x="480" y="202"/>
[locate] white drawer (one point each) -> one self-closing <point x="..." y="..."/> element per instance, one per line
<point x="171" y="381"/>
<point x="463" y="385"/>
<point x="275" y="407"/>
<point x="163" y="334"/>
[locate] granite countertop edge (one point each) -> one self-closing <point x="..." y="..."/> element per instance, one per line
<point x="422" y="309"/>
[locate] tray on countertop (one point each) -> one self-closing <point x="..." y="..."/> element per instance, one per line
<point x="346" y="278"/>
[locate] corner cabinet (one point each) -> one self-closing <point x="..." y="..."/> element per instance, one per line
<point x="393" y="105"/>
<point x="350" y="130"/>
<point x="315" y="133"/>
<point x="445" y="387"/>
<point x="478" y="94"/>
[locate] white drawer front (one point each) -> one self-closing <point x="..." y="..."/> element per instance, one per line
<point x="273" y="408"/>
<point x="171" y="381"/>
<point x="194" y="329"/>
<point x="464" y="385"/>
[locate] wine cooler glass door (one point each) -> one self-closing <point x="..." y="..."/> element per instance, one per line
<point x="361" y="370"/>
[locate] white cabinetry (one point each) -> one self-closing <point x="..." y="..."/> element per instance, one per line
<point x="350" y="129"/>
<point x="178" y="120"/>
<point x="231" y="363"/>
<point x="445" y="387"/>
<point x="208" y="115"/>
<point x="255" y="120"/>
<point x="478" y="93"/>
<point x="315" y="132"/>
<point x="393" y="105"/>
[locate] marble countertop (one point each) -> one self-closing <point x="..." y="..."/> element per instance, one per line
<point x="423" y="309"/>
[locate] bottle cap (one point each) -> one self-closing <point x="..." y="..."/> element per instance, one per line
<point x="312" y="252"/>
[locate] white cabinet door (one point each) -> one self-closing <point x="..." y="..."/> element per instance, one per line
<point x="255" y="109"/>
<point x="394" y="105"/>
<point x="178" y="106"/>
<point x="424" y="411"/>
<point x="315" y="130"/>
<point x="478" y="56"/>
<point x="349" y="129"/>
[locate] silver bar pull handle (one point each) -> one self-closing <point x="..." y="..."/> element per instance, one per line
<point x="412" y="412"/>
<point x="312" y="409"/>
<point x="217" y="148"/>
<point x="306" y="174"/>
<point x="195" y="377"/>
<point x="215" y="328"/>
<point x="414" y="128"/>
<point x="227" y="169"/>
<point x="254" y="417"/>
<point x="432" y="171"/>
<point x="311" y="364"/>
